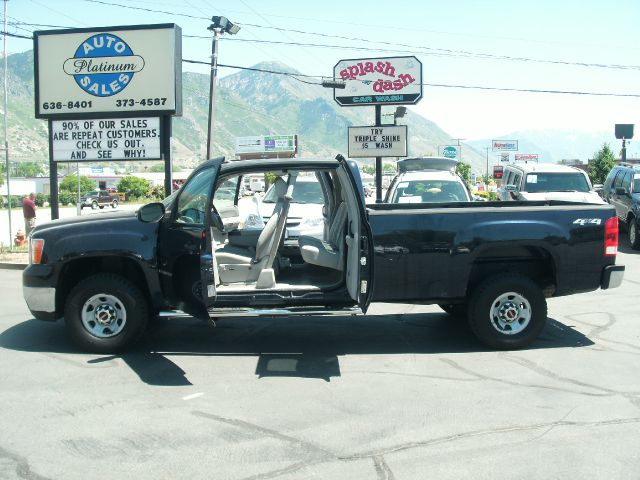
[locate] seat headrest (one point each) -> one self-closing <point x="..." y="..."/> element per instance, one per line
<point x="280" y="187"/>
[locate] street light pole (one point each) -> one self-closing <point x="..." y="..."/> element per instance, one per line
<point x="219" y="26"/>
<point x="6" y="120"/>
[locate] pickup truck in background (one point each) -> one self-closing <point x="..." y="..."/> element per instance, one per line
<point x="494" y="263"/>
<point x="99" y="198"/>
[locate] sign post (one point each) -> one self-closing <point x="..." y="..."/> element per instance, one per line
<point x="108" y="94"/>
<point x="379" y="81"/>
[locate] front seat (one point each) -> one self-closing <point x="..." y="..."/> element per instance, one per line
<point x="330" y="252"/>
<point x="237" y="264"/>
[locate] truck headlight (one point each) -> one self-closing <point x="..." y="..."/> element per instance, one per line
<point x="36" y="246"/>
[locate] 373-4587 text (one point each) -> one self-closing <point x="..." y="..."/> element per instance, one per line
<point x="145" y="102"/>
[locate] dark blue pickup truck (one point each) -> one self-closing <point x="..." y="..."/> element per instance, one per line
<point x="495" y="263"/>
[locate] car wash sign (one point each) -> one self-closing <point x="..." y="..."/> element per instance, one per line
<point x="115" y="70"/>
<point x="379" y="81"/>
<point x="384" y="141"/>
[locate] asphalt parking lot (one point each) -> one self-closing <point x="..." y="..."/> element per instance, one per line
<point x="404" y="392"/>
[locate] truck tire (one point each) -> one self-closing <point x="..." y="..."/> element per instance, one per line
<point x="634" y="238"/>
<point x="507" y="311"/>
<point x="105" y="313"/>
<point x="457" y="310"/>
<point x="94" y="205"/>
<point x="114" y="204"/>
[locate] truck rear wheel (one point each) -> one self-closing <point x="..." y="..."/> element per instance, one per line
<point x="507" y="311"/>
<point x="114" y="204"/>
<point x="105" y="313"/>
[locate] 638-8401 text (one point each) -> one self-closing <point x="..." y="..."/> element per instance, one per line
<point x="145" y="102"/>
<point x="68" y="105"/>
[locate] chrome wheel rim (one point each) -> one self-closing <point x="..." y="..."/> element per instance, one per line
<point x="510" y="313"/>
<point x="104" y="315"/>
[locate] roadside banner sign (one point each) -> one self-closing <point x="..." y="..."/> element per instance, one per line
<point x="504" y="157"/>
<point x="379" y="81"/>
<point x="384" y="141"/>
<point x="498" y="171"/>
<point x="524" y="157"/>
<point x="502" y="145"/>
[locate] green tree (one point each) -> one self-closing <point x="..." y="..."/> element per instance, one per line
<point x="70" y="184"/>
<point x="134" y="186"/>
<point x="28" y="169"/>
<point x="464" y="170"/>
<point x="157" y="168"/>
<point x="603" y="162"/>
<point x="3" y="174"/>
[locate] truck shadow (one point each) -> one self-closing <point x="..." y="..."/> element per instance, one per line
<point x="306" y="347"/>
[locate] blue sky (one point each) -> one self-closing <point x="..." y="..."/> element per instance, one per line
<point x="458" y="42"/>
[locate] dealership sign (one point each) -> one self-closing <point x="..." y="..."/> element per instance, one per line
<point x="511" y="145"/>
<point x="524" y="157"/>
<point x="106" y="139"/>
<point x="379" y="81"/>
<point x="450" y="151"/>
<point x="266" y="144"/>
<point x="115" y="70"/>
<point x="385" y="141"/>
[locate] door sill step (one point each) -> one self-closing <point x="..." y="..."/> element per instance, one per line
<point x="268" y="312"/>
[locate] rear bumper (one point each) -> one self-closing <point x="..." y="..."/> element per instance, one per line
<point x="612" y="276"/>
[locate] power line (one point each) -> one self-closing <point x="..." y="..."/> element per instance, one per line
<point x="15" y="35"/>
<point x="366" y="40"/>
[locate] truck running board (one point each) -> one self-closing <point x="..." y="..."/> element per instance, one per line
<point x="267" y="312"/>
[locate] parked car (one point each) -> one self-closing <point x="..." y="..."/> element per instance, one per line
<point x="305" y="211"/>
<point x="622" y="190"/>
<point x="547" y="181"/>
<point x="100" y="198"/>
<point x="498" y="262"/>
<point x="427" y="180"/>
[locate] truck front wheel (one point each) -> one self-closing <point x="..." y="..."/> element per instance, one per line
<point x="105" y="313"/>
<point x="507" y="311"/>
<point x="94" y="205"/>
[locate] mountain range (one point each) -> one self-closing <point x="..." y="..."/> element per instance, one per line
<point x="258" y="103"/>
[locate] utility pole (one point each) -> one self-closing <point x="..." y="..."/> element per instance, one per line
<point x="487" y="150"/>
<point x="6" y="142"/>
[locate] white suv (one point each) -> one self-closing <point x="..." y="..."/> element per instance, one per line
<point x="547" y="181"/>
<point x="427" y="180"/>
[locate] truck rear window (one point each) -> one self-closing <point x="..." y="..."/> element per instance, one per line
<point x="556" y="182"/>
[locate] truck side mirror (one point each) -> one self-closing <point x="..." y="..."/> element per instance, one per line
<point x="510" y="188"/>
<point x="621" y="191"/>
<point x="151" y="212"/>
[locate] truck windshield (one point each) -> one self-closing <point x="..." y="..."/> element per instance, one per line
<point x="636" y="184"/>
<point x="556" y="182"/>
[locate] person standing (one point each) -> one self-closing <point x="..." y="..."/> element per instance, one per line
<point x="29" y="210"/>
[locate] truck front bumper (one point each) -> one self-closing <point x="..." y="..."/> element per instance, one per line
<point x="612" y="276"/>
<point x="38" y="294"/>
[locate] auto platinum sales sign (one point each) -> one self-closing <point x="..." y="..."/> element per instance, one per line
<point x="81" y="72"/>
<point x="106" y="139"/>
<point x="379" y="81"/>
<point x="384" y="141"/>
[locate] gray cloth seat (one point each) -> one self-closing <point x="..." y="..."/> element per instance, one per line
<point x="330" y="252"/>
<point x="239" y="264"/>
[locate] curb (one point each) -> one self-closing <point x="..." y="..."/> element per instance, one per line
<point x="13" y="266"/>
